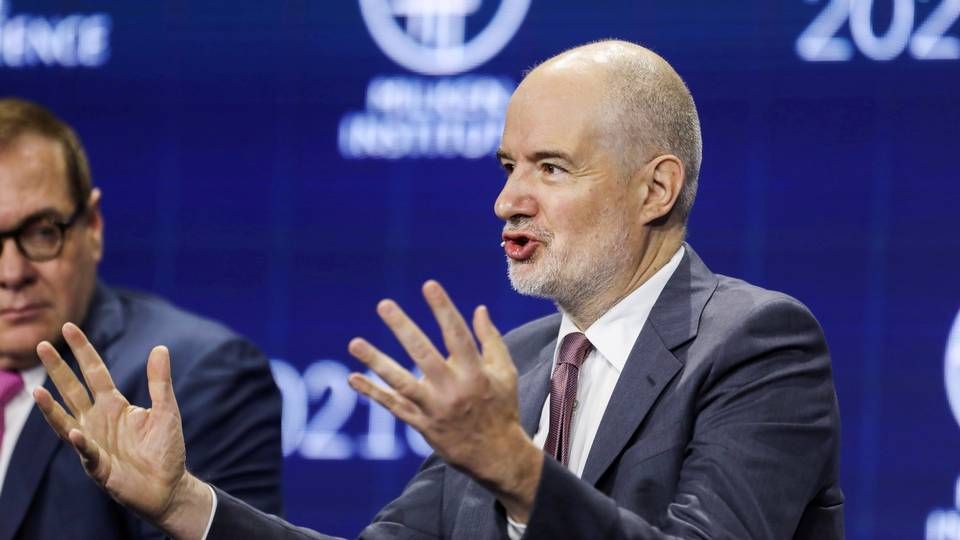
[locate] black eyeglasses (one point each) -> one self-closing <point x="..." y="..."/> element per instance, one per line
<point x="40" y="238"/>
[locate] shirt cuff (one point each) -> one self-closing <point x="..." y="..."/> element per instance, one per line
<point x="515" y="529"/>
<point x="213" y="512"/>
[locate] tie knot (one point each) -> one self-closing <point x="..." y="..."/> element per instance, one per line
<point x="10" y="384"/>
<point x="574" y="349"/>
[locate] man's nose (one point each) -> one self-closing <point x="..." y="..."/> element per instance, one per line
<point x="517" y="198"/>
<point x="16" y="271"/>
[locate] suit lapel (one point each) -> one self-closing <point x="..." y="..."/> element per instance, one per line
<point x="533" y="387"/>
<point x="27" y="467"/>
<point x="647" y="371"/>
<point x="651" y="364"/>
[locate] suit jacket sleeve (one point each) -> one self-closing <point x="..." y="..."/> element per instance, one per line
<point x="766" y="428"/>
<point x="413" y="515"/>
<point x="236" y="519"/>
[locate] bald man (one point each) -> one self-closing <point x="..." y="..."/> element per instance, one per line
<point x="662" y="401"/>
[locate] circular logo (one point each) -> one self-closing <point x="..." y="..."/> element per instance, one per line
<point x="952" y="368"/>
<point x="429" y="36"/>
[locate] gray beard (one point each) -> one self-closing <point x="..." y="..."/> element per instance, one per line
<point x="577" y="283"/>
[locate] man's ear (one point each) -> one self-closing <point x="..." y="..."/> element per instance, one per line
<point x="94" y="225"/>
<point x="664" y="184"/>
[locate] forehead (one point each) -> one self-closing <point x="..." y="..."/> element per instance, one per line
<point x="556" y="108"/>
<point x="32" y="178"/>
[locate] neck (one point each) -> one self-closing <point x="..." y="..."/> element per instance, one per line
<point x="654" y="254"/>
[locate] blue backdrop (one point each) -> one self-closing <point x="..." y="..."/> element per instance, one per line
<point x="281" y="166"/>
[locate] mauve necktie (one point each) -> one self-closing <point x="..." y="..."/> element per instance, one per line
<point x="10" y="384"/>
<point x="563" y="394"/>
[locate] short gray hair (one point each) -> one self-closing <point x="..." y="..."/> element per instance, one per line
<point x="654" y="111"/>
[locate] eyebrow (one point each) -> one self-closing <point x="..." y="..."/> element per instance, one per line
<point x="552" y="154"/>
<point x="538" y="156"/>
<point x="48" y="212"/>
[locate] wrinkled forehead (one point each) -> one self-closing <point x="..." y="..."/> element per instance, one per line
<point x="562" y="107"/>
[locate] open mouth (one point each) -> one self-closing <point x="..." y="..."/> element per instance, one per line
<point x="520" y="246"/>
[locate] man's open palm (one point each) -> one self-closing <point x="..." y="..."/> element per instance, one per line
<point x="136" y="454"/>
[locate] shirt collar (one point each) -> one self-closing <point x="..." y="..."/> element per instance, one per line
<point x="615" y="332"/>
<point x="33" y="377"/>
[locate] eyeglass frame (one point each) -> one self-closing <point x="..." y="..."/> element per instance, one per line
<point x="62" y="225"/>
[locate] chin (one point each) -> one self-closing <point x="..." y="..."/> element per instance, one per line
<point x="19" y="349"/>
<point x="527" y="282"/>
<point x="17" y="361"/>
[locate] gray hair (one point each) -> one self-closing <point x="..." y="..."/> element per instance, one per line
<point x="653" y="110"/>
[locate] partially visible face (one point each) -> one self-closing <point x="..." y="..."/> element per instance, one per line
<point x="37" y="298"/>
<point x="571" y="227"/>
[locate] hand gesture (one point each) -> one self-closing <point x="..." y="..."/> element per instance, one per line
<point x="137" y="455"/>
<point x="466" y="405"/>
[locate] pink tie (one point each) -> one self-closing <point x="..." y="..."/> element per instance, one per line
<point x="10" y="385"/>
<point x="563" y="393"/>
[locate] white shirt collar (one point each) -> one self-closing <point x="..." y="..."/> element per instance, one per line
<point x="33" y="378"/>
<point x="615" y="332"/>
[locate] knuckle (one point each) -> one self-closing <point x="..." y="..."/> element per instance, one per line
<point x="420" y="349"/>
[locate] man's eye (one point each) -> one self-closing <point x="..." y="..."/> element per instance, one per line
<point x="507" y="168"/>
<point x="43" y="233"/>
<point x="550" y="168"/>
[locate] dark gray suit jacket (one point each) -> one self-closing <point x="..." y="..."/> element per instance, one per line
<point x="723" y="424"/>
<point x="228" y="401"/>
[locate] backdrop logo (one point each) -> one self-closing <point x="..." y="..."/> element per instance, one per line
<point x="952" y="368"/>
<point x="430" y="36"/>
<point x="944" y="523"/>
<point x="66" y="41"/>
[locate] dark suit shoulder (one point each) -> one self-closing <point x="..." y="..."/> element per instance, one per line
<point x="744" y="297"/>
<point x="751" y="330"/>
<point x="168" y="323"/>
<point x="736" y="303"/>
<point x="149" y="321"/>
<point x="127" y="324"/>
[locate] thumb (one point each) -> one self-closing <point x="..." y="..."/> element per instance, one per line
<point x="160" y="382"/>
<point x="95" y="461"/>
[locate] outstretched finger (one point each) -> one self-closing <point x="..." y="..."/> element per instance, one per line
<point x="395" y="375"/>
<point x="456" y="334"/>
<point x="94" y="459"/>
<point x="53" y="413"/>
<point x="160" y="381"/>
<point x="70" y="388"/>
<point x="494" y="349"/>
<point x="401" y="407"/>
<point x="91" y="365"/>
<point x="413" y="340"/>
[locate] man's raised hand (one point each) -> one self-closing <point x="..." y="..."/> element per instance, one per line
<point x="137" y="455"/>
<point x="465" y="405"/>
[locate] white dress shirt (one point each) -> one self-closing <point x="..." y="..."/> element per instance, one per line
<point x="15" y="415"/>
<point x="612" y="336"/>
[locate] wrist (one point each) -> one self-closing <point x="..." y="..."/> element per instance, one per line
<point x="517" y="489"/>
<point x="188" y="513"/>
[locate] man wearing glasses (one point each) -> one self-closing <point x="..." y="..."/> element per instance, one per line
<point x="51" y="240"/>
